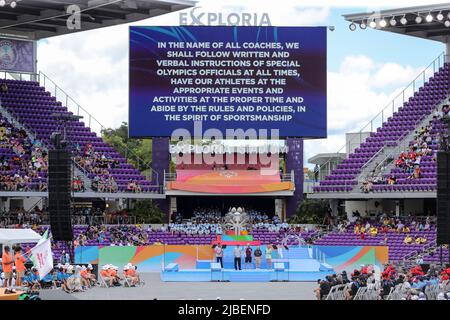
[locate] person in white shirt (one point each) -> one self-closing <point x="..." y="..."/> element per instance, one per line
<point x="218" y="250"/>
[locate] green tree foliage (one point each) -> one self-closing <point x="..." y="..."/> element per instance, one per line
<point x="310" y="211"/>
<point x="138" y="152"/>
<point x="147" y="211"/>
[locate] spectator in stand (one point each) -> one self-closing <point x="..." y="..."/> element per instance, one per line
<point x="4" y="88"/>
<point x="408" y="239"/>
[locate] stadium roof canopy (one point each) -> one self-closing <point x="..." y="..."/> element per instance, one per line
<point x="433" y="24"/>
<point x="38" y="19"/>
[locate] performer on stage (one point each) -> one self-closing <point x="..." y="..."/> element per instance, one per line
<point x="258" y="254"/>
<point x="218" y="250"/>
<point x="248" y="257"/>
<point x="237" y="257"/>
<point x="269" y="256"/>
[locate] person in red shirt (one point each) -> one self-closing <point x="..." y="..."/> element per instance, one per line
<point x="19" y="260"/>
<point x="7" y="267"/>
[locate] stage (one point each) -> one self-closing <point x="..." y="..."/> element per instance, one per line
<point x="302" y="268"/>
<point x="245" y="275"/>
<point x="11" y="296"/>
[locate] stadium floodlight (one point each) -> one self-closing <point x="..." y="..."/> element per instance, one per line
<point x="362" y="25"/>
<point x="418" y="19"/>
<point x="2" y="3"/>
<point x="429" y="17"/>
<point x="372" y="24"/>
<point x="393" y="22"/>
<point x="382" y="23"/>
<point x="447" y="23"/>
<point x="352" y="26"/>
<point x="440" y="16"/>
<point x="403" y="20"/>
<point x="13" y="4"/>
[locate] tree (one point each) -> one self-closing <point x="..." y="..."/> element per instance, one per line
<point x="311" y="211"/>
<point x="148" y="211"/>
<point x="138" y="152"/>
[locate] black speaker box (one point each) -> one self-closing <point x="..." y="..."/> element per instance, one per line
<point x="59" y="198"/>
<point x="443" y="198"/>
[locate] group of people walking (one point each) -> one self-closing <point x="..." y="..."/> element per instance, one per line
<point x="248" y="253"/>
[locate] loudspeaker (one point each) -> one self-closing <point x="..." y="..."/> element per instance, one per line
<point x="59" y="184"/>
<point x="443" y="198"/>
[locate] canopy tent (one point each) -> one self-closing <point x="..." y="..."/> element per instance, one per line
<point x="12" y="236"/>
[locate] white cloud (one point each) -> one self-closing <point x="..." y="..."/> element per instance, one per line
<point x="355" y="98"/>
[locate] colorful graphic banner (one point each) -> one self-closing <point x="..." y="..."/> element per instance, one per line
<point x="152" y="258"/>
<point x="17" y="55"/>
<point x="271" y="78"/>
<point x="229" y="181"/>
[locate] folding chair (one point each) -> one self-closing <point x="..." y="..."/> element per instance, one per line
<point x="103" y="283"/>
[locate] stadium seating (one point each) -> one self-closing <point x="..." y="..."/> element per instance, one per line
<point x="423" y="103"/>
<point x="22" y="162"/>
<point x="37" y="110"/>
<point x="397" y="249"/>
<point x="428" y="169"/>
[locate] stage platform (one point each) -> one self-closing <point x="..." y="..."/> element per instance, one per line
<point x="250" y="275"/>
<point x="11" y="296"/>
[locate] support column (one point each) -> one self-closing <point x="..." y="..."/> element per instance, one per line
<point x="447" y="51"/>
<point x="294" y="163"/>
<point x="160" y="163"/>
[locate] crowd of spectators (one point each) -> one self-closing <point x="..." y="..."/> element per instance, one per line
<point x="121" y="235"/>
<point x="409" y="160"/>
<point x="211" y="215"/>
<point x="19" y="217"/>
<point x="193" y="228"/>
<point x="26" y="164"/>
<point x="414" y="282"/>
<point x="364" y="227"/>
<point x="99" y="164"/>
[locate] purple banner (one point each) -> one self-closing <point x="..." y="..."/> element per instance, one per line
<point x="16" y="55"/>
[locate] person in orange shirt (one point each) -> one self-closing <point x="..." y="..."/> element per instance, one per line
<point x="105" y="274"/>
<point x="7" y="267"/>
<point x="85" y="277"/>
<point x="130" y="274"/>
<point x="19" y="260"/>
<point x="113" y="273"/>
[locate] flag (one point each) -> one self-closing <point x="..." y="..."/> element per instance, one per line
<point x="41" y="256"/>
